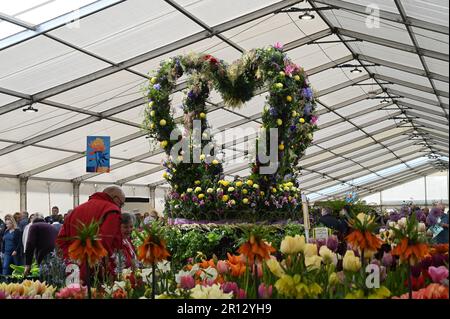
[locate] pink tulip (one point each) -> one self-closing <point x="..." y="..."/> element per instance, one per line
<point x="242" y="294"/>
<point x="264" y="292"/>
<point x="438" y="274"/>
<point x="222" y="267"/>
<point x="187" y="282"/>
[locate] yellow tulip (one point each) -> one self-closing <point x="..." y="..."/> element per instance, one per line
<point x="279" y="122"/>
<point x="301" y="120"/>
<point x="289" y="98"/>
<point x="297" y="78"/>
<point x="153" y="80"/>
<point x="163" y="122"/>
<point x="310" y="250"/>
<point x="281" y="147"/>
<point x="201" y="196"/>
<point x="351" y="262"/>
<point x="313" y="262"/>
<point x="202" y="115"/>
<point x="197" y="182"/>
<point x="215" y="162"/>
<point x="238" y="184"/>
<point x="244" y="191"/>
<point x="245" y="201"/>
<point x="292" y="245"/>
<point x="275" y="267"/>
<point x="225" y="198"/>
<point x="164" y="144"/>
<point x="249" y="182"/>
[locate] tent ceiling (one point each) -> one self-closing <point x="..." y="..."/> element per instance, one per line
<point x="86" y="77"/>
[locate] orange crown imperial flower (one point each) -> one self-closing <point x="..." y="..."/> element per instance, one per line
<point x="364" y="240"/>
<point x="87" y="245"/>
<point x="256" y="248"/>
<point x="152" y="250"/>
<point x="406" y="251"/>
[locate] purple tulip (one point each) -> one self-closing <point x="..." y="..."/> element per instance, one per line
<point x="438" y="274"/>
<point x="332" y="243"/>
<point x="228" y="287"/>
<point x="387" y="259"/>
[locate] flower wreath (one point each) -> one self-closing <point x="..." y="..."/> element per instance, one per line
<point x="199" y="190"/>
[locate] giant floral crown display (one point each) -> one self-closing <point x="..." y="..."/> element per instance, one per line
<point x="199" y="190"/>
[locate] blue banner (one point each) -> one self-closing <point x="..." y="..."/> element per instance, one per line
<point x="98" y="154"/>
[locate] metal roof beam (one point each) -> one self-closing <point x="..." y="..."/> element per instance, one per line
<point x="17" y="22"/>
<point x="404" y="68"/>
<point x="387" y="15"/>
<point x="420" y="108"/>
<point x="411" y="85"/>
<point x="393" y="44"/>
<point x="419" y="51"/>
<point x="416" y="98"/>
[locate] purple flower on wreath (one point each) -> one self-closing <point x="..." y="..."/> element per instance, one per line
<point x="191" y="95"/>
<point x="314" y="120"/>
<point x="175" y="195"/>
<point x="253" y="205"/>
<point x="293" y="128"/>
<point x="308" y="109"/>
<point x="294" y="201"/>
<point x="202" y="202"/>
<point x="278" y="46"/>
<point x="307" y="93"/>
<point x="284" y="200"/>
<point x="273" y="111"/>
<point x="276" y="66"/>
<point x="184" y="198"/>
<point x="267" y="203"/>
<point x="195" y="199"/>
<point x="157" y="86"/>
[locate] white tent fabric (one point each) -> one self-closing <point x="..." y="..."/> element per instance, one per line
<point x="83" y="64"/>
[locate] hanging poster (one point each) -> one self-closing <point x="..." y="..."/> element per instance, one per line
<point x="97" y="155"/>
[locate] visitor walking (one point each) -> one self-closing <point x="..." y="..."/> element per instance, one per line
<point x="40" y="243"/>
<point x="11" y="246"/>
<point x="105" y="208"/>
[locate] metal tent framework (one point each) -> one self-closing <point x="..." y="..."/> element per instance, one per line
<point x="380" y="69"/>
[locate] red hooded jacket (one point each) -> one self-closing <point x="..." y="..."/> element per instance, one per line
<point x="99" y="207"/>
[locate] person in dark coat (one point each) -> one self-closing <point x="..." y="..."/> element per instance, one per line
<point x="11" y="246"/>
<point x="330" y="221"/>
<point x="54" y="216"/>
<point x="105" y="208"/>
<point x="23" y="221"/>
<point x="41" y="242"/>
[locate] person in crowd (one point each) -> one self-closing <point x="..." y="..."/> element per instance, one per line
<point x="50" y="219"/>
<point x="40" y="243"/>
<point x="17" y="217"/>
<point x="104" y="208"/>
<point x="152" y="216"/>
<point x="330" y="221"/>
<point x="27" y="229"/>
<point x="23" y="221"/>
<point x="57" y="222"/>
<point x="11" y="246"/>
<point x="442" y="237"/>
<point x="126" y="228"/>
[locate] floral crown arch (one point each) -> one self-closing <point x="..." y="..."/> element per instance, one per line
<point x="199" y="190"/>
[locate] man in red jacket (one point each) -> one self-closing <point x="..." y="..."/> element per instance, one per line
<point x="103" y="207"/>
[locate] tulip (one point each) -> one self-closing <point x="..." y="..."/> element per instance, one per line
<point x="152" y="113"/>
<point x="163" y="122"/>
<point x="301" y="120"/>
<point x="289" y="98"/>
<point x="313" y="262"/>
<point x="264" y="292"/>
<point x="153" y="80"/>
<point x="438" y="274"/>
<point x="310" y="250"/>
<point x="292" y="245"/>
<point x="328" y="256"/>
<point x="245" y="201"/>
<point x="222" y="267"/>
<point x="387" y="260"/>
<point x="209" y="190"/>
<point x="249" y="182"/>
<point x="279" y="122"/>
<point x="351" y="262"/>
<point x="215" y="162"/>
<point x="202" y="115"/>
<point x="187" y="282"/>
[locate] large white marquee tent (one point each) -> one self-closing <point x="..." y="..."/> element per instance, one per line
<point x="82" y="64"/>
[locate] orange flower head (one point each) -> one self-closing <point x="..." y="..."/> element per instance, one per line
<point x="254" y="248"/>
<point x="412" y="252"/>
<point x="152" y="251"/>
<point x="364" y="240"/>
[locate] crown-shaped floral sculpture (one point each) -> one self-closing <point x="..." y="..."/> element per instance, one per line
<point x="199" y="189"/>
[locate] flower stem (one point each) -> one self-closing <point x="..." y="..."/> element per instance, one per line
<point x="153" y="281"/>
<point x="409" y="281"/>
<point x="88" y="280"/>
